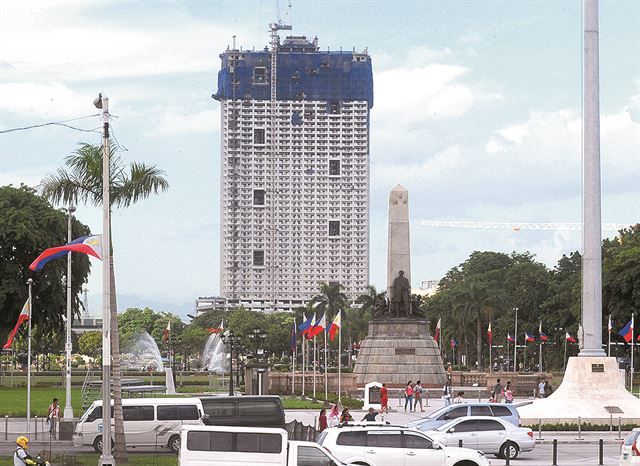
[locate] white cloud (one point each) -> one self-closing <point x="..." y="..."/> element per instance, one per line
<point x="174" y="121"/>
<point x="47" y="101"/>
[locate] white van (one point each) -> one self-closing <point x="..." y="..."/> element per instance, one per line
<point x="248" y="446"/>
<point x="148" y="422"/>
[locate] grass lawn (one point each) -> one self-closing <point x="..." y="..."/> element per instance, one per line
<point x="84" y="459"/>
<point x="13" y="401"/>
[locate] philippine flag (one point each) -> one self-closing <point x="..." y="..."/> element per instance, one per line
<point x="610" y="326"/>
<point x="528" y="337"/>
<point x="453" y="343"/>
<point x="543" y="336"/>
<point x="570" y="338"/>
<point x="217" y="329"/>
<point x="627" y="331"/>
<point x="91" y="245"/>
<point x="306" y="323"/>
<point x="318" y="328"/>
<point x="510" y="338"/>
<point x="336" y="325"/>
<point x="490" y="334"/>
<point x="23" y="317"/>
<point x="166" y="332"/>
<point x="438" y="327"/>
<point x="312" y="324"/>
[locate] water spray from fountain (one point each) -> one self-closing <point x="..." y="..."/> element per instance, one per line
<point x="142" y="352"/>
<point x="214" y="355"/>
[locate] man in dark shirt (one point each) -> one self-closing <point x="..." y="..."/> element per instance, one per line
<point x="370" y="416"/>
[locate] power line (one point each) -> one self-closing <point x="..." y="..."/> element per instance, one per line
<point x="57" y="123"/>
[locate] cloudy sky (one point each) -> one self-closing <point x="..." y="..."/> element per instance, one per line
<point x="477" y="111"/>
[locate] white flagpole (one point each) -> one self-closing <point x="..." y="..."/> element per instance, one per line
<point x="30" y="283"/>
<point x="609" y="332"/>
<point x="304" y="364"/>
<point x="294" y="352"/>
<point x="632" y="345"/>
<point x="540" y="355"/>
<point x="490" y="358"/>
<point x="564" y="366"/>
<point x="314" y="367"/>
<point x="340" y="361"/>
<point x="515" y="345"/>
<point x="326" y="373"/>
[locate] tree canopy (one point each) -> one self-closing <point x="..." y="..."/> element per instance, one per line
<point x="29" y="225"/>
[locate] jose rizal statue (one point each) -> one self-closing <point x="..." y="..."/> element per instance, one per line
<point x="401" y="295"/>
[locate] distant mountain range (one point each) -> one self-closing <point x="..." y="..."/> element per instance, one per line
<point x="128" y="300"/>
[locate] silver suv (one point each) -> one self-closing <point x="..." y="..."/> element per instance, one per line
<point x="383" y="444"/>
<point x="506" y="412"/>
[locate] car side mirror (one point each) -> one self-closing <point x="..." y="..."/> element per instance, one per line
<point x="452" y="430"/>
<point x="205" y="419"/>
<point x="435" y="446"/>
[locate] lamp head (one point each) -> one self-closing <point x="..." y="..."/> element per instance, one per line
<point x="72" y="209"/>
<point x="98" y="101"/>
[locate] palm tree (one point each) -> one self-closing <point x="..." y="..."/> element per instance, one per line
<point x="331" y="299"/>
<point x="81" y="182"/>
<point x="368" y="300"/>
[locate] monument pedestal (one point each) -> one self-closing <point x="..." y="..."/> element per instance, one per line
<point x="397" y="350"/>
<point x="592" y="389"/>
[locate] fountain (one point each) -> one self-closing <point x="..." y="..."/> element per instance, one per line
<point x="141" y="353"/>
<point x="214" y="355"/>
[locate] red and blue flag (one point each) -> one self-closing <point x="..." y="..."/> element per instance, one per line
<point x="627" y="331"/>
<point x="528" y="337"/>
<point x="91" y="245"/>
<point x="510" y="338"/>
<point x="304" y="326"/>
<point x="453" y="343"/>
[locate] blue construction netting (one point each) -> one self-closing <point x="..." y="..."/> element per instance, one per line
<point x="324" y="76"/>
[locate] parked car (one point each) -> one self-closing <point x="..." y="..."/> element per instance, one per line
<point x="380" y="444"/>
<point x="508" y="412"/>
<point x="487" y="434"/>
<point x="245" y="411"/>
<point x="148" y="422"/>
<point x="630" y="450"/>
<point x="248" y="446"/>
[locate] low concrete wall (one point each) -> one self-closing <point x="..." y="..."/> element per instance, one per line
<point x="523" y="383"/>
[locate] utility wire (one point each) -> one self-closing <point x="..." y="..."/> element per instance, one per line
<point x="56" y="123"/>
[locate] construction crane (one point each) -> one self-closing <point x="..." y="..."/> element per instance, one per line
<point x="518" y="226"/>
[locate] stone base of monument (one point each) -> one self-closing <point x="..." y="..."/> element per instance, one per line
<point x="591" y="389"/>
<point x="397" y="350"/>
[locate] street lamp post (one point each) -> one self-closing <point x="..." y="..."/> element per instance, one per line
<point x="106" y="458"/>
<point x="68" y="409"/>
<point x="230" y="338"/>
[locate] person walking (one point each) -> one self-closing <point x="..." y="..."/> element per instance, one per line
<point x="446" y="393"/>
<point x="322" y="420"/>
<point x="408" y="396"/>
<point x="334" y="416"/>
<point x="53" y="417"/>
<point x="497" y="392"/>
<point x="417" y="396"/>
<point x="384" y="399"/>
<point x="541" y="387"/>
<point x="548" y="389"/>
<point x="508" y="393"/>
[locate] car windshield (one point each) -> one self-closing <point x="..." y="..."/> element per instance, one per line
<point x="633" y="436"/>
<point x="433" y="415"/>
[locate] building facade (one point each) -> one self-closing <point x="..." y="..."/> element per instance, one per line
<point x="294" y="196"/>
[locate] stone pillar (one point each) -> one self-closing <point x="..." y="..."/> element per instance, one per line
<point x="399" y="250"/>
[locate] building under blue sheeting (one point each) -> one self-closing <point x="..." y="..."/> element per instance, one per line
<point x="303" y="73"/>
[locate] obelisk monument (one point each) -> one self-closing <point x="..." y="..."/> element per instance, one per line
<point x="399" y="346"/>
<point x="399" y="249"/>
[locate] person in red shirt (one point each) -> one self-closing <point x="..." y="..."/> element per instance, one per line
<point x="408" y="393"/>
<point x="322" y="420"/>
<point x="384" y="399"/>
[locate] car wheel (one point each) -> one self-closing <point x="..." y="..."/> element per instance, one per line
<point x="174" y="443"/>
<point x="509" y="450"/>
<point x="466" y="463"/>
<point x="97" y="444"/>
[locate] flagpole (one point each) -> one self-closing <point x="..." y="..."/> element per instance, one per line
<point x="632" y="345"/>
<point x="609" y="342"/>
<point x="30" y="283"/>
<point x="314" y="367"/>
<point x="515" y="345"/>
<point x="340" y="361"/>
<point x="304" y="365"/>
<point x="564" y="365"/>
<point x="293" y="362"/>
<point x="540" y="354"/>
<point x="326" y="374"/>
<point x="490" y="358"/>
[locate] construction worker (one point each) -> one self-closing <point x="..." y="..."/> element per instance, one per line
<point x="21" y="457"/>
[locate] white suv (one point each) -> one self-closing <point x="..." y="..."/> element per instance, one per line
<point x="379" y="444"/>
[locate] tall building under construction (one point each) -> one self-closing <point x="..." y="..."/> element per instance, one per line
<point x="294" y="197"/>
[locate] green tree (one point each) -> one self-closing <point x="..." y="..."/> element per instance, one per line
<point x="29" y="225"/>
<point x="330" y="300"/>
<point x="90" y="344"/>
<point x="81" y="182"/>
